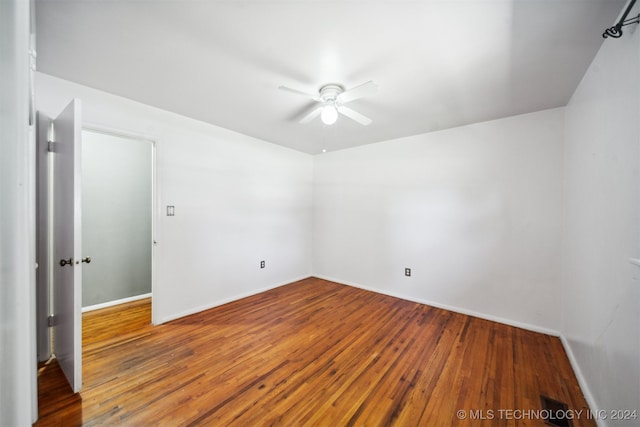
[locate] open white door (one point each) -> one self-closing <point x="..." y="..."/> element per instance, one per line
<point x="67" y="239"/>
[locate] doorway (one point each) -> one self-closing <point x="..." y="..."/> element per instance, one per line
<point x="117" y="218"/>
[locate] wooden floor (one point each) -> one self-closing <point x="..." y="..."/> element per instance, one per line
<point x="310" y="353"/>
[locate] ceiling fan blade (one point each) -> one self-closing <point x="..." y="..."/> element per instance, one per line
<point x="312" y="115"/>
<point x="315" y="97"/>
<point x="357" y="92"/>
<point x="354" y="115"/>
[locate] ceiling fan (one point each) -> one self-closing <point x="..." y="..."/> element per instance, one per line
<point x="332" y="98"/>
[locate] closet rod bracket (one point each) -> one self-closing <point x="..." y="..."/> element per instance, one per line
<point x="616" y="30"/>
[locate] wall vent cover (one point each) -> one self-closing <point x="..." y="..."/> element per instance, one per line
<point x="555" y="412"/>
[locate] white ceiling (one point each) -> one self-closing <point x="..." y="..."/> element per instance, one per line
<point x="438" y="64"/>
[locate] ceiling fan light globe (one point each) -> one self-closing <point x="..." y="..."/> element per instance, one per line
<point x="329" y="115"/>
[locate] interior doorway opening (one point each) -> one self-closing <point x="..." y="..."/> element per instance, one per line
<point x="118" y="225"/>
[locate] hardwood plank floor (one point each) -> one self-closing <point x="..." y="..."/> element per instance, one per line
<point x="310" y="353"/>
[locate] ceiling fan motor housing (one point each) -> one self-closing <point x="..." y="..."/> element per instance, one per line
<point x="329" y="93"/>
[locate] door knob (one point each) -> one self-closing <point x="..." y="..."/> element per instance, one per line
<point x="86" y="259"/>
<point x="64" y="262"/>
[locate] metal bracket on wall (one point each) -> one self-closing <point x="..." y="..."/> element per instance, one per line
<point x="616" y="30"/>
<point x="51" y="321"/>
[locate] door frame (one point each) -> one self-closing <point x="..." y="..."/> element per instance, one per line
<point x="107" y="130"/>
<point x="44" y="228"/>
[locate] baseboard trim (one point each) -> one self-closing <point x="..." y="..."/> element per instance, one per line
<point x="582" y="382"/>
<point x="116" y="302"/>
<point x="460" y="310"/>
<point x="218" y="303"/>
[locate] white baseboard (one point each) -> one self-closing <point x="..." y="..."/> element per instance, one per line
<point x="584" y="386"/>
<point x="465" y="311"/>
<point x="225" y="301"/>
<point x="116" y="302"/>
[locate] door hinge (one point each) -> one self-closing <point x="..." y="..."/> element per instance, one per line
<point x="52" y="320"/>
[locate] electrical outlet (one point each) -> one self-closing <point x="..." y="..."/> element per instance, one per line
<point x="261" y="264"/>
<point x="171" y="210"/>
<point x="407" y="272"/>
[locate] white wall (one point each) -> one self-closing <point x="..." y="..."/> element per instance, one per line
<point x="116" y="217"/>
<point x="237" y="200"/>
<point x="601" y="302"/>
<point x="18" y="389"/>
<point x="474" y="211"/>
